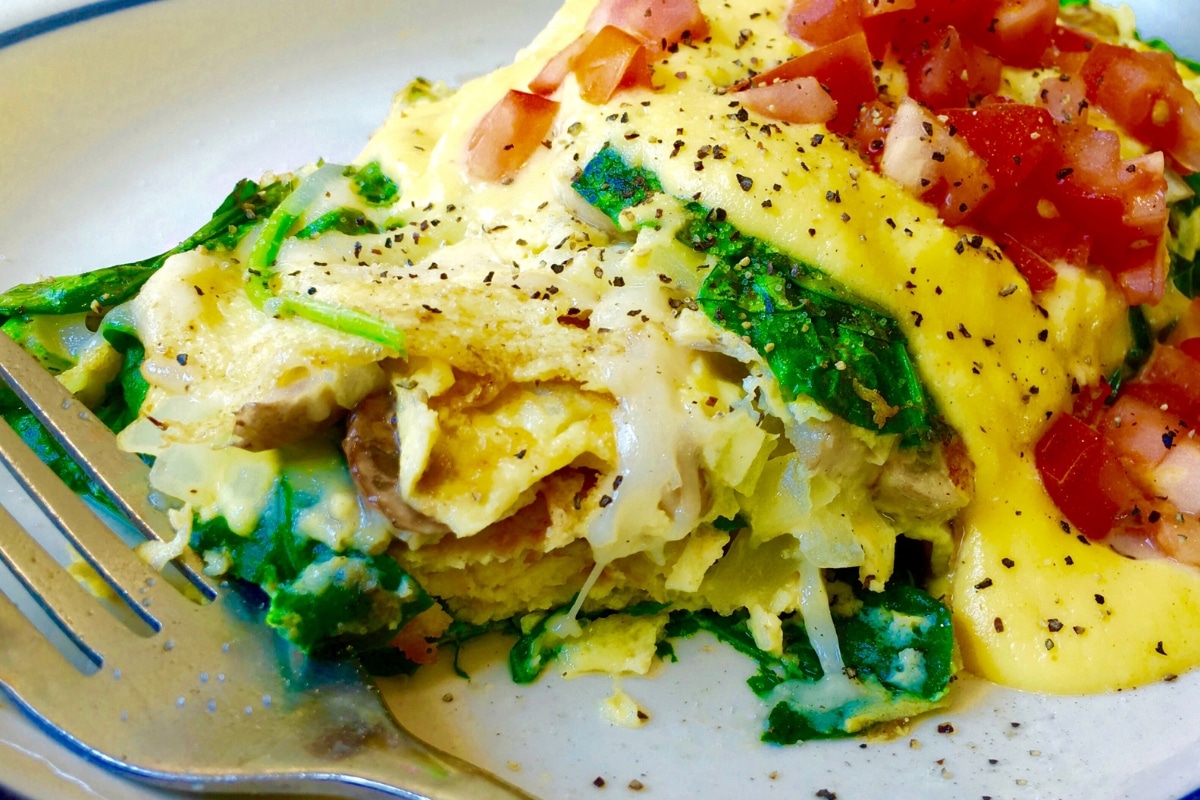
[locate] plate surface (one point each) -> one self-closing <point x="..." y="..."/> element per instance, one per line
<point x="119" y="134"/>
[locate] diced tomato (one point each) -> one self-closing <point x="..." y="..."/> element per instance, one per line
<point x="1036" y="222"/>
<point x="822" y="22"/>
<point x="843" y="68"/>
<point x="1158" y="449"/>
<point x="1091" y="403"/>
<point x="1142" y="274"/>
<point x="1119" y="205"/>
<point x="1191" y="348"/>
<point x="1178" y="536"/>
<point x="1068" y="49"/>
<point x="1077" y="465"/>
<point x="1170" y="378"/>
<point x="1143" y="92"/>
<point x="508" y="135"/>
<point x="800" y="100"/>
<point x="1065" y="97"/>
<point x="873" y="8"/>
<point x="1013" y="139"/>
<point x="948" y="72"/>
<point x="612" y="60"/>
<point x="871" y="130"/>
<point x="921" y="155"/>
<point x="557" y="68"/>
<point x="1135" y="428"/>
<point x="660" y="24"/>
<point x="1036" y="270"/>
<point x="1021" y="30"/>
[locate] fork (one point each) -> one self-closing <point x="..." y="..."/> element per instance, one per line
<point x="208" y="698"/>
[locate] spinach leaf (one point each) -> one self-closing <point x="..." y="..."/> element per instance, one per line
<point x="240" y="211"/>
<point x="819" y="339"/>
<point x="372" y="185"/>
<point x="343" y="220"/>
<point x="320" y="599"/>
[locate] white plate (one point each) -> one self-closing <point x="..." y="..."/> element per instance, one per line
<point x="121" y="132"/>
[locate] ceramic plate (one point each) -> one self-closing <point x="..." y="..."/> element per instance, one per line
<point x="123" y="123"/>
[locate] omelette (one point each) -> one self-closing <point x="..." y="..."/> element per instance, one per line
<point x="671" y="325"/>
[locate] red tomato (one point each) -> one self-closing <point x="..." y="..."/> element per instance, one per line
<point x="1013" y="139"/>
<point x="844" y="68"/>
<point x="612" y="60"/>
<point x="1036" y="270"/>
<point x="871" y="130"/>
<point x="822" y="22"/>
<point x="873" y="8"/>
<point x="1068" y="49"/>
<point x="1143" y="92"/>
<point x="508" y="135"/>
<point x="948" y="72"/>
<point x="661" y="24"/>
<point x="1191" y="347"/>
<point x="1171" y="378"/>
<point x="1159" y="451"/>
<point x="552" y="75"/>
<point x="1065" y="97"/>
<point x="800" y="100"/>
<point x="1078" y="467"/>
<point x="1021" y="30"/>
<point x="921" y="155"/>
<point x="1176" y="535"/>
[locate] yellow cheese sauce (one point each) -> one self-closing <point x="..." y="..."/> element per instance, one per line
<point x="1035" y="607"/>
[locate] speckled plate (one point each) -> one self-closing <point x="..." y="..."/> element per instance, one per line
<point x="123" y="123"/>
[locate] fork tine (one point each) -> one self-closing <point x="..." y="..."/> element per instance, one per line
<point x="28" y="657"/>
<point x="119" y="566"/>
<point x="78" y="613"/>
<point x="122" y="475"/>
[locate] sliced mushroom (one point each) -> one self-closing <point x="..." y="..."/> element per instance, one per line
<point x="373" y="453"/>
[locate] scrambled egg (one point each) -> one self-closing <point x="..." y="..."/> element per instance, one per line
<point x="569" y="424"/>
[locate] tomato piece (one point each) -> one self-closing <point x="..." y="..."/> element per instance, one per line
<point x="660" y="24"/>
<point x="611" y="61"/>
<point x="1159" y="450"/>
<point x="508" y="135"/>
<point x="921" y="155"/>
<point x="948" y="72"/>
<point x="1036" y="223"/>
<point x="1091" y="403"/>
<point x="1021" y="30"/>
<point x="1178" y="536"/>
<point x="1119" y="205"/>
<point x="1143" y="92"/>
<point x="1191" y="348"/>
<point x="1135" y="428"/>
<point x="557" y="68"/>
<point x="1141" y="274"/>
<point x="1170" y="378"/>
<point x="1077" y="467"/>
<point x="843" y="68"/>
<point x="1014" y="139"/>
<point x="871" y="130"/>
<point x="822" y="22"/>
<point x="1036" y="271"/>
<point x="873" y="8"/>
<point x="800" y="100"/>
<point x="1065" y="98"/>
<point x="1068" y="49"/>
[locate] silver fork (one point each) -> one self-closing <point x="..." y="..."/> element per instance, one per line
<point x="211" y="700"/>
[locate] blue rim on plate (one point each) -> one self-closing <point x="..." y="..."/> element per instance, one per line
<point x="91" y="11"/>
<point x="65" y="19"/>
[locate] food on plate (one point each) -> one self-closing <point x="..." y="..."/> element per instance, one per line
<point x="857" y="334"/>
